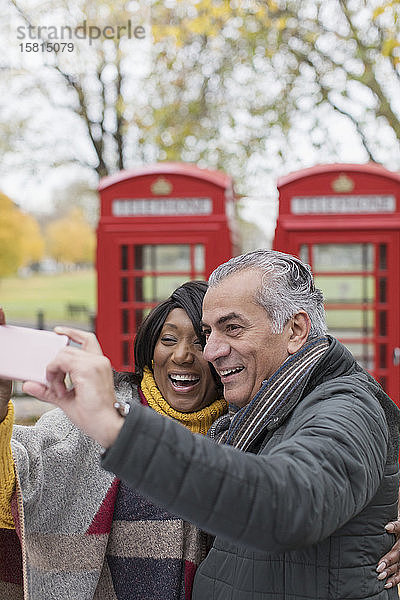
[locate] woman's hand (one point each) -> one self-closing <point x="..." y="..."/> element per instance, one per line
<point x="89" y="402"/>
<point x="5" y="384"/>
<point x="389" y="565"/>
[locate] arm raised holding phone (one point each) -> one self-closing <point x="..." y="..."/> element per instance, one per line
<point x="90" y="401"/>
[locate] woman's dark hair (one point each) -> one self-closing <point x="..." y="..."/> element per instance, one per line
<point x="188" y="297"/>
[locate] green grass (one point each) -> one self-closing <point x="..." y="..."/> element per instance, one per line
<point x="22" y="298"/>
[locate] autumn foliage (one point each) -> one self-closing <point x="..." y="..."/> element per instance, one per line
<point x="21" y="242"/>
<point x="71" y="239"/>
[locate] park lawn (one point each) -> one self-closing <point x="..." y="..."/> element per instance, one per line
<point x="23" y="297"/>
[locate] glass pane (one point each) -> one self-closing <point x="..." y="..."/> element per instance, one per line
<point x="138" y="283"/>
<point x="165" y="257"/>
<point x="124" y="258"/>
<point x="382" y="320"/>
<point x="304" y="254"/>
<point x="125" y="321"/>
<point x="382" y="289"/>
<point x="148" y="258"/>
<point x="199" y="258"/>
<point x="124" y="290"/>
<point x="350" y="322"/>
<point x="382" y="257"/>
<point x="364" y="354"/>
<point x="138" y="257"/>
<point x="352" y="289"/>
<point x="126" y="353"/>
<point x="172" y="258"/>
<point x="382" y="356"/>
<point x="343" y="257"/>
<point x="159" y="288"/>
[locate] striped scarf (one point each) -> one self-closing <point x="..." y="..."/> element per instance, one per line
<point x="240" y="428"/>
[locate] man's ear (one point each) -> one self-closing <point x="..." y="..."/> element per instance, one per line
<point x="299" y="330"/>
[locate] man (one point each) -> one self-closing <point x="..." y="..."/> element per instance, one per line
<point x="305" y="476"/>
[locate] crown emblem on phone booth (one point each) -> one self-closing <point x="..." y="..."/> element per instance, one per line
<point x="161" y="187"/>
<point x="343" y="184"/>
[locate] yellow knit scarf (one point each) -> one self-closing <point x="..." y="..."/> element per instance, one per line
<point x="198" y="422"/>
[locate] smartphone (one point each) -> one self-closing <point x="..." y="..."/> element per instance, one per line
<point x="25" y="353"/>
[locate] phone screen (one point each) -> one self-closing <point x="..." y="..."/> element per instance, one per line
<point x="25" y="353"/>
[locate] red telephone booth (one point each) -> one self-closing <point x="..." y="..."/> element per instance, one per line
<point x="344" y="220"/>
<point x="159" y="226"/>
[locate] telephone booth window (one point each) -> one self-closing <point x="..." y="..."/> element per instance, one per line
<point x="353" y="280"/>
<point x="149" y="273"/>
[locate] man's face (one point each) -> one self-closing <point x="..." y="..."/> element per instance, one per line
<point x="240" y="341"/>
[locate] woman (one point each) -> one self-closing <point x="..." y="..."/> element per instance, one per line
<point x="84" y="534"/>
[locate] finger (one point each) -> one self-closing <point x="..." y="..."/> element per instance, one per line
<point x="393" y="527"/>
<point x="56" y="372"/>
<point x="393" y="581"/>
<point x="45" y="393"/>
<point x="391" y="570"/>
<point x="390" y="559"/>
<point x="85" y="338"/>
<point x="69" y="362"/>
<point x="39" y="390"/>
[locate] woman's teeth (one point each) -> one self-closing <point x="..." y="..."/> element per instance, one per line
<point x="181" y="380"/>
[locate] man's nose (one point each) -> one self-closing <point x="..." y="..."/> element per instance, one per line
<point x="215" y="348"/>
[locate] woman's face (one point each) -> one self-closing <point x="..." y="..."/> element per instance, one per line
<point x="180" y="371"/>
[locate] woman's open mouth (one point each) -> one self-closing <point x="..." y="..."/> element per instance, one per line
<point x="183" y="381"/>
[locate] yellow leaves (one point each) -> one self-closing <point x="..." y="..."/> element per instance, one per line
<point x="20" y="238"/>
<point x="71" y="239"/>
<point x="387" y="17"/>
<point x="389" y="46"/>
<point x="280" y="23"/>
<point x="162" y="31"/>
<point x="184" y="20"/>
<point x="6" y="204"/>
<point x="10" y="244"/>
<point x="32" y="240"/>
<point x="273" y="6"/>
<point x="386" y="7"/>
<point x="190" y="18"/>
<point x="378" y="12"/>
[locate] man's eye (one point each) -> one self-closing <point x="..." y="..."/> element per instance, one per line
<point x="232" y="328"/>
<point x="198" y="343"/>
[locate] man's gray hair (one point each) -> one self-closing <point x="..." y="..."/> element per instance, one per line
<point x="287" y="286"/>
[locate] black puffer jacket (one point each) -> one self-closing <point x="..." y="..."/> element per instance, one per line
<point x="300" y="517"/>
